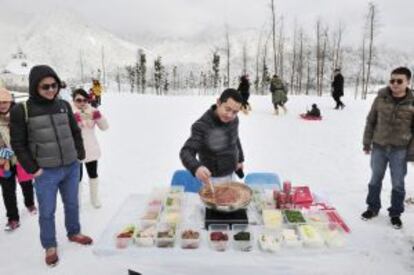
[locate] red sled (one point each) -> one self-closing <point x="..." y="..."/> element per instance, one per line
<point x="306" y="117"/>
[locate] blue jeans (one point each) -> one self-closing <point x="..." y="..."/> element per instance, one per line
<point x="380" y="157"/>
<point x="66" y="180"/>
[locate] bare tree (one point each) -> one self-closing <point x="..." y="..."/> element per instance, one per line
<point x="265" y="70"/>
<point x="274" y="35"/>
<point x="371" y="34"/>
<point x="227" y="83"/>
<point x="103" y="65"/>
<point x="259" y="45"/>
<point x="308" y="73"/>
<point x="323" y="59"/>
<point x="118" y="79"/>
<point x="143" y="69"/>
<point x="81" y="65"/>
<point x="175" y="84"/>
<point x="363" y="66"/>
<point x="131" y="76"/>
<point x="294" y="58"/>
<point x="337" y="47"/>
<point x="281" y="48"/>
<point x="216" y="69"/>
<point x="318" y="55"/>
<point x="244" y="58"/>
<point x="137" y="73"/>
<point x="300" y="65"/>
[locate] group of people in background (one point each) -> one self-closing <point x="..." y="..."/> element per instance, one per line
<point x="44" y="142"/>
<point x="279" y="94"/>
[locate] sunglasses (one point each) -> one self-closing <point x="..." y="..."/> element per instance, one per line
<point x="80" y="100"/>
<point x="46" y="87"/>
<point x="398" y="81"/>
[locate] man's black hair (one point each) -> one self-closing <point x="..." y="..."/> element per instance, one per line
<point x="230" y="93"/>
<point x="402" y="70"/>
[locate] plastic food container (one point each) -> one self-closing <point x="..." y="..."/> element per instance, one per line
<point x="317" y="218"/>
<point x="144" y="234"/>
<point x="270" y="241"/>
<point x="190" y="236"/>
<point x="290" y="238"/>
<point x="173" y="203"/>
<point x="218" y="236"/>
<point x="172" y="217"/>
<point x="310" y="236"/>
<point x="242" y="237"/>
<point x="333" y="235"/>
<point x="272" y="218"/>
<point x="124" y="237"/>
<point x="165" y="235"/>
<point x="294" y="217"/>
<point x="151" y="212"/>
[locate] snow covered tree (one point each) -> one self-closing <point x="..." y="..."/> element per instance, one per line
<point x="175" y="81"/>
<point x="143" y="69"/>
<point x="216" y="69"/>
<point x="166" y="82"/>
<point x="131" y="76"/>
<point x="158" y="74"/>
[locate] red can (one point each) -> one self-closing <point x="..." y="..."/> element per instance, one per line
<point x="287" y="187"/>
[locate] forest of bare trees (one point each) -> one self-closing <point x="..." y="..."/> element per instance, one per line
<point x="305" y="60"/>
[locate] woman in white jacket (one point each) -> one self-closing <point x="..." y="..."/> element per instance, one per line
<point x="88" y="117"/>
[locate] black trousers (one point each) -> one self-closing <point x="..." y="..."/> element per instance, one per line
<point x="338" y="101"/>
<point x="245" y="97"/>
<point x="8" y="188"/>
<point x="276" y="105"/>
<point x="91" y="169"/>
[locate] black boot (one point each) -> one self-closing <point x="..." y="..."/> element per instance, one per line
<point x="369" y="214"/>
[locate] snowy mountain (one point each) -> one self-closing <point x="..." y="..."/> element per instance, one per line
<point x="62" y="40"/>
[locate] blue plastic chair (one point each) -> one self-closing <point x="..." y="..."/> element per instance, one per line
<point x="264" y="179"/>
<point x="186" y="179"/>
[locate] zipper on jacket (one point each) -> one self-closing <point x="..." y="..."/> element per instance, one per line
<point x="57" y="139"/>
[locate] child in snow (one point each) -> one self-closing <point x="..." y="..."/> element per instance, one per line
<point x="10" y="169"/>
<point x="314" y="112"/>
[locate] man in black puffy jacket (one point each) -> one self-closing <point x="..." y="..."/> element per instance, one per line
<point x="48" y="143"/>
<point x="215" y="140"/>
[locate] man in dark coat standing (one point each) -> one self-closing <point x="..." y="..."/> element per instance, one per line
<point x="338" y="89"/>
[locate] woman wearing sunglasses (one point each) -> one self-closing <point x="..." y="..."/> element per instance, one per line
<point x="88" y="118"/>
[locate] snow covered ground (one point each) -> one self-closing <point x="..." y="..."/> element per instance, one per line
<point x="140" y="151"/>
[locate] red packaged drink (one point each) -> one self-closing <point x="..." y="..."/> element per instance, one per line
<point x="302" y="195"/>
<point x="287" y="187"/>
<point x="281" y="199"/>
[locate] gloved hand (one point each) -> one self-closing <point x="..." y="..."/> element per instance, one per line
<point x="240" y="173"/>
<point x="77" y="117"/>
<point x="96" y="115"/>
<point x="367" y="149"/>
<point x="6" y="153"/>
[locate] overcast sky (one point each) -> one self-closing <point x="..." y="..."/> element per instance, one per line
<point x="189" y="17"/>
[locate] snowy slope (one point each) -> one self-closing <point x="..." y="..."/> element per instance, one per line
<point x="140" y="151"/>
<point x="60" y="38"/>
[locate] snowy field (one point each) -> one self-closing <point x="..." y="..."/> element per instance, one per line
<point x="140" y="151"/>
